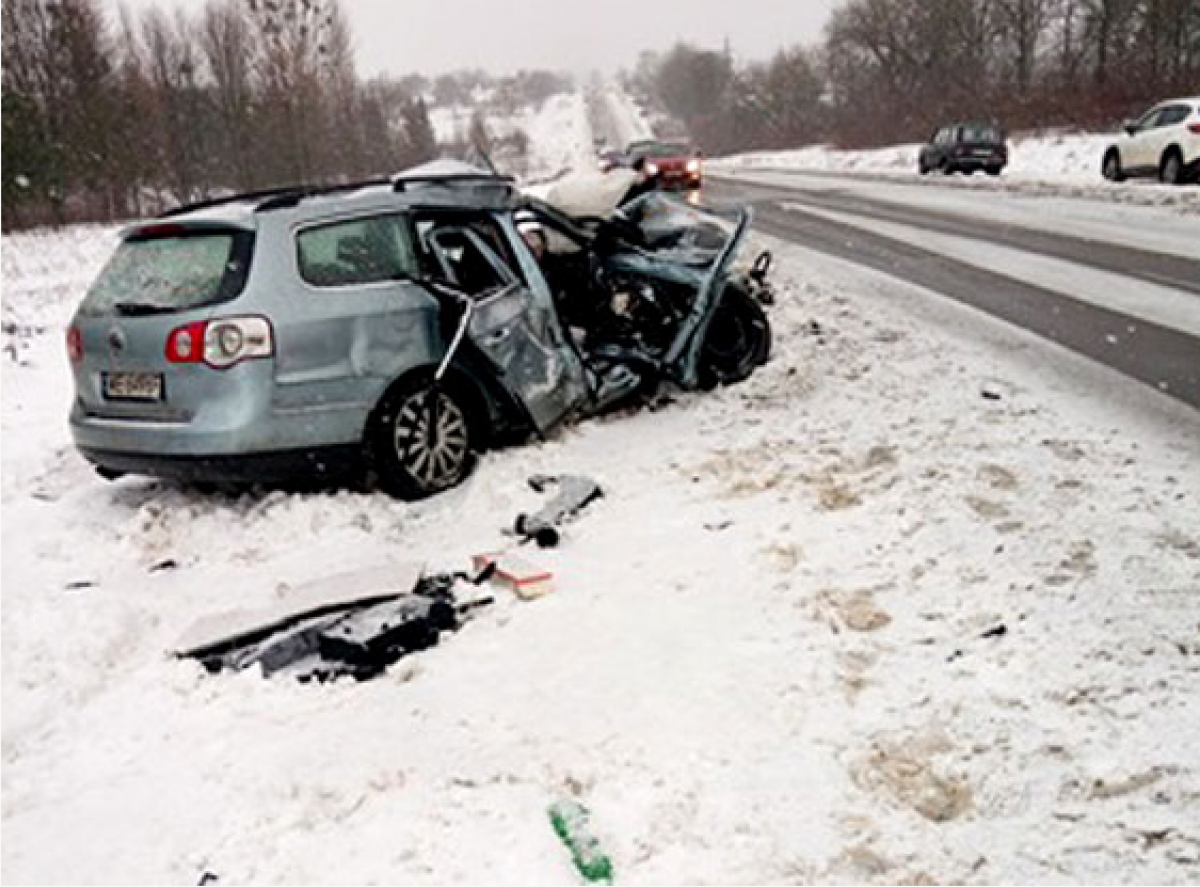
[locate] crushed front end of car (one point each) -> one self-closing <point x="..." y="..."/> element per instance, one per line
<point x="650" y="295"/>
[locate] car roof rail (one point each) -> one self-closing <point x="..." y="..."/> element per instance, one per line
<point x="244" y="196"/>
<point x="293" y="197"/>
<point x="273" y="198"/>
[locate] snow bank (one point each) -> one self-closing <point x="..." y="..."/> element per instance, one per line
<point x="626" y="121"/>
<point x="1064" y="164"/>
<point x="1072" y="157"/>
<point x="848" y="621"/>
<point x="560" y="137"/>
<point x="46" y="273"/>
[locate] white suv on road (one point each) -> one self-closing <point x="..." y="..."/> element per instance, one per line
<point x="1165" y="142"/>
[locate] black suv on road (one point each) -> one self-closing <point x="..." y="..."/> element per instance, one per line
<point x="964" y="147"/>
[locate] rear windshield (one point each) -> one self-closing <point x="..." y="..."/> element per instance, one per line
<point x="986" y="134"/>
<point x="177" y="272"/>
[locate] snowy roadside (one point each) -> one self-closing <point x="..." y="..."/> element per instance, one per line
<point x="560" y="136"/>
<point x="851" y="620"/>
<point x="1052" y="165"/>
<point x="624" y="122"/>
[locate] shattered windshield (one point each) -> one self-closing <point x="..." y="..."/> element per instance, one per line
<point x="162" y="274"/>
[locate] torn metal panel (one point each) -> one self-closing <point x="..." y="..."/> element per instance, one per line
<point x="212" y="635"/>
<point x="575" y="493"/>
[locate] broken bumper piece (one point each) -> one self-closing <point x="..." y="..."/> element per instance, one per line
<point x="358" y="636"/>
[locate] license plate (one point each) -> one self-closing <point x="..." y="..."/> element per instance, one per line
<point x="133" y="386"/>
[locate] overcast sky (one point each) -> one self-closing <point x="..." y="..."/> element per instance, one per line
<point x="432" y="36"/>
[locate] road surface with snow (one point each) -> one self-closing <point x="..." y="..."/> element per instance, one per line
<point x="1134" y="308"/>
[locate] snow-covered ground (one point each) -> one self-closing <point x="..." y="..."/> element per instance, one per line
<point x="1066" y="164"/>
<point x="625" y="121"/>
<point x="849" y="621"/>
<point x="560" y="137"/>
<point x="1061" y="156"/>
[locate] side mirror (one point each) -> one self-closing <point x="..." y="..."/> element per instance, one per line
<point x="1130" y="127"/>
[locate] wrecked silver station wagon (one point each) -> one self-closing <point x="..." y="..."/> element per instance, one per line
<point x="403" y="324"/>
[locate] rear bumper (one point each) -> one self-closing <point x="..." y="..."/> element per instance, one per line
<point x="315" y="463"/>
<point x="978" y="162"/>
<point x="222" y="427"/>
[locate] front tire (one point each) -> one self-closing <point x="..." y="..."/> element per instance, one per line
<point x="1170" y="171"/>
<point x="420" y="442"/>
<point x="738" y="340"/>
<point x="1111" y="168"/>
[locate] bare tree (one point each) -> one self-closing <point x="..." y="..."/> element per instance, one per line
<point x="228" y="52"/>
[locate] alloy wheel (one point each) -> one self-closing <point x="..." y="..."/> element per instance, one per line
<point x="430" y="439"/>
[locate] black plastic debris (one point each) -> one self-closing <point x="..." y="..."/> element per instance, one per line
<point x="996" y="631"/>
<point x="80" y="584"/>
<point x="163" y="565"/>
<point x="574" y="494"/>
<point x="379" y="635"/>
<point x="360" y="639"/>
<point x="990" y="394"/>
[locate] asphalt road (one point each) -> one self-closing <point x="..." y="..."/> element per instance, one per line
<point x="1162" y="357"/>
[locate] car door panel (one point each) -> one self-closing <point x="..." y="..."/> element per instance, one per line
<point x="351" y="326"/>
<point x="519" y="333"/>
<point x="1139" y="152"/>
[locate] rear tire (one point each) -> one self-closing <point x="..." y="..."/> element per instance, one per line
<point x="1170" y="171"/>
<point x="1111" y="168"/>
<point x="413" y="459"/>
<point x="993" y="170"/>
<point x="738" y="340"/>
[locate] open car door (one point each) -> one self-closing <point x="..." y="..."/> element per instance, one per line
<point x="513" y="326"/>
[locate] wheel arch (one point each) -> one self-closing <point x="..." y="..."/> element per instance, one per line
<point x="462" y="380"/>
<point x="1173" y="148"/>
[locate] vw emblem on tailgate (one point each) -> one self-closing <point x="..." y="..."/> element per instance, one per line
<point x="116" y="340"/>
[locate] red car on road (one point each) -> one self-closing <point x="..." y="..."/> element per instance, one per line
<point x="673" y="164"/>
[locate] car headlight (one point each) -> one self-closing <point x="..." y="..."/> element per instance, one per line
<point x="693" y="165"/>
<point x="651" y="169"/>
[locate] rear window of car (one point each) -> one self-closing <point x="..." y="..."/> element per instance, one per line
<point x="164" y="273"/>
<point x="358" y="251"/>
<point x="976" y="133"/>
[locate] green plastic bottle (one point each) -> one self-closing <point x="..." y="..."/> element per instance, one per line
<point x="572" y="823"/>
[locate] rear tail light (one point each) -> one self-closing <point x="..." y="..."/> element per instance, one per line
<point x="1194" y="127"/>
<point x="185" y="344"/>
<point x="75" y="344"/>
<point x="221" y="343"/>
